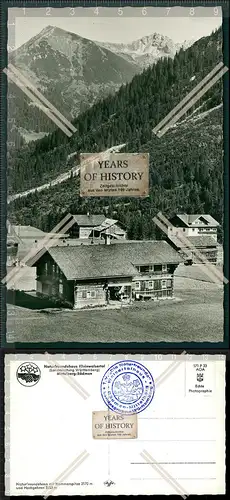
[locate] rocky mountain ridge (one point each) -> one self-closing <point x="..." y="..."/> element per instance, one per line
<point x="148" y="49"/>
<point x="73" y="73"/>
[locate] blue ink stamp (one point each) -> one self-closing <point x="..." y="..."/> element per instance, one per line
<point x="127" y="387"/>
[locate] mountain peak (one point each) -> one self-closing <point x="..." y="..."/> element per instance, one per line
<point x="156" y="37"/>
<point x="55" y="30"/>
<point x="47" y="29"/>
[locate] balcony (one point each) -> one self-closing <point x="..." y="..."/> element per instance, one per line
<point x="153" y="270"/>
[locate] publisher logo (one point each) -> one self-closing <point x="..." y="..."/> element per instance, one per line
<point x="28" y="374"/>
<point x="200" y="378"/>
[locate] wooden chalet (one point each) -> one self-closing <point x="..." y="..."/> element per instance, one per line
<point x="194" y="225"/>
<point x="96" y="226"/>
<point x="95" y="275"/>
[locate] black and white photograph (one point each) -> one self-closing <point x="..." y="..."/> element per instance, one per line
<point x="114" y="83"/>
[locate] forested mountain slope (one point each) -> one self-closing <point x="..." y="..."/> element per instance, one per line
<point x="186" y="164"/>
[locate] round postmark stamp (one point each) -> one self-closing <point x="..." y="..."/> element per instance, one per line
<point x="127" y="387"/>
<point x="28" y="374"/>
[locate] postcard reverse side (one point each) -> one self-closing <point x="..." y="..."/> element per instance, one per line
<point x="114" y="424"/>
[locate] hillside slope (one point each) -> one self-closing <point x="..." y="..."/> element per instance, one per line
<point x="186" y="164"/>
<point x="72" y="72"/>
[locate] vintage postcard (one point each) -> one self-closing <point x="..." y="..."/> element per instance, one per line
<point x="116" y="163"/>
<point x="114" y="424"/>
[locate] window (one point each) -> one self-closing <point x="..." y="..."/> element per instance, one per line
<point x="46" y="267"/>
<point x="93" y="294"/>
<point x="184" y="229"/>
<point x="169" y="283"/>
<point x="193" y="229"/>
<point x="150" y="283"/>
<point x="144" y="269"/>
<point x="88" y="295"/>
<point x="84" y="294"/>
<point x="137" y="285"/>
<point x="164" y="267"/>
<point x="158" y="268"/>
<point x="53" y="268"/>
<point x="164" y="284"/>
<point x="61" y="288"/>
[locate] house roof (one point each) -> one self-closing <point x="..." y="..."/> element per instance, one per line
<point x="106" y="224"/>
<point x="114" y="260"/>
<point x="89" y="220"/>
<point x="197" y="241"/>
<point x="190" y="219"/>
<point x="79" y="242"/>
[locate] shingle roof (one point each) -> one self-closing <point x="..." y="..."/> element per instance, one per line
<point x="79" y="242"/>
<point x="89" y="220"/>
<point x="202" y="241"/>
<point x="191" y="218"/>
<point x="114" y="260"/>
<point x="106" y="224"/>
<point x="197" y="241"/>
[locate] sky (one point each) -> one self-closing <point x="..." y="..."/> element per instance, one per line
<point x="179" y="23"/>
